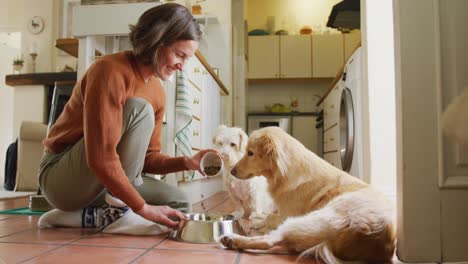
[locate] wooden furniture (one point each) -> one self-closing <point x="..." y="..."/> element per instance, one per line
<point x="302" y="57"/>
<point x="43" y="78"/>
<point x="273" y="57"/>
<point x="263" y="57"/>
<point x="295" y="57"/>
<point x="327" y="54"/>
<point x="34" y="90"/>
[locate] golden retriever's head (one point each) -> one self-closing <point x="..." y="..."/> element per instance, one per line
<point x="265" y="155"/>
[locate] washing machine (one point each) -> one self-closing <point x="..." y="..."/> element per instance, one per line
<point x="342" y="137"/>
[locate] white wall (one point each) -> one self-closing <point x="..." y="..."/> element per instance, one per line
<point x="10" y="46"/>
<point x="381" y="91"/>
<point x="216" y="46"/>
<point x="308" y="95"/>
<point x="14" y="14"/>
<point x="291" y="14"/>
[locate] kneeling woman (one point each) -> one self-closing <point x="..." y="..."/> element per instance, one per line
<point x="110" y="129"/>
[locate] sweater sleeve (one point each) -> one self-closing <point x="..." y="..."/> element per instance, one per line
<point x="104" y="97"/>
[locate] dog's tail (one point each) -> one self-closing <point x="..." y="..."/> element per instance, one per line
<point x="322" y="252"/>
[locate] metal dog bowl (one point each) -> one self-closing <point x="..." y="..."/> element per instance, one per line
<point x="207" y="228"/>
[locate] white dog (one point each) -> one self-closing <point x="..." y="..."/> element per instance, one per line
<point x="324" y="212"/>
<point x="251" y="196"/>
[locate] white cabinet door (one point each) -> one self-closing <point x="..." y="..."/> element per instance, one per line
<point x="304" y="130"/>
<point x="197" y="101"/>
<point x="212" y="116"/>
<point x="333" y="158"/>
<point x="263" y="57"/>
<point x="327" y="55"/>
<point x="351" y="41"/>
<point x="331" y="140"/>
<point x="331" y="107"/>
<point x="432" y="170"/>
<point x="295" y="57"/>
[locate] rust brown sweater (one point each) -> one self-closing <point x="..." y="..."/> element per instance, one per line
<point x="94" y="112"/>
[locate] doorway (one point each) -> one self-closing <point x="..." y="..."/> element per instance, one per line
<point x="10" y="48"/>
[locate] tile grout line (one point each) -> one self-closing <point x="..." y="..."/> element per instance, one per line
<point x="216" y="206"/>
<point x="15" y="233"/>
<point x="238" y="258"/>
<point x="53" y="249"/>
<point x="148" y="250"/>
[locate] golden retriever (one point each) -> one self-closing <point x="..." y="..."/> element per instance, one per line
<point x="324" y="212"/>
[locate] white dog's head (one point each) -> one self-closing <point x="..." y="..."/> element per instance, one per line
<point x="231" y="143"/>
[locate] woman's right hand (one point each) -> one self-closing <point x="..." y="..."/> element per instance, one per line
<point x="160" y="214"/>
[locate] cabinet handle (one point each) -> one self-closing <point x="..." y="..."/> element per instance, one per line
<point x="195" y="133"/>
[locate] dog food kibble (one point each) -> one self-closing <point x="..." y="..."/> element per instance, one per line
<point x="211" y="170"/>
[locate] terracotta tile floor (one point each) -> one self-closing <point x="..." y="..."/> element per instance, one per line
<point x="22" y="242"/>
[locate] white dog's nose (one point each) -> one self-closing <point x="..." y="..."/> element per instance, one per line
<point x="234" y="171"/>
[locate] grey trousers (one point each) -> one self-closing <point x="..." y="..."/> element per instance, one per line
<point x="69" y="184"/>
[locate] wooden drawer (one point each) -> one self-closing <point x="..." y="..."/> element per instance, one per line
<point x="331" y="108"/>
<point x="196" y="134"/>
<point x="197" y="101"/>
<point x="331" y="140"/>
<point x="333" y="158"/>
<point x="195" y="73"/>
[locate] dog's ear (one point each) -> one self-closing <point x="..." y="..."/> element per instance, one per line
<point x="218" y="132"/>
<point x="221" y="127"/>
<point x="271" y="149"/>
<point x="243" y="138"/>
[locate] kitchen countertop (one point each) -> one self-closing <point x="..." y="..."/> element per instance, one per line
<point x="284" y="114"/>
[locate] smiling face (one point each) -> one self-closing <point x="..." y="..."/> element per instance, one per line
<point x="173" y="57"/>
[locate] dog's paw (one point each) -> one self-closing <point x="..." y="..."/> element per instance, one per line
<point x="256" y="215"/>
<point x="228" y="241"/>
<point x="258" y="223"/>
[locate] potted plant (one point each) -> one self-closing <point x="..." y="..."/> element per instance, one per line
<point x="18" y="63"/>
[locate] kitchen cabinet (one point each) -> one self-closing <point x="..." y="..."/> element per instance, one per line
<point x="350" y="41"/>
<point x="330" y="108"/>
<point x="327" y="55"/>
<point x="303" y="129"/>
<point x="275" y="56"/>
<point x="264" y="57"/>
<point x="299" y="56"/>
<point x="295" y="57"/>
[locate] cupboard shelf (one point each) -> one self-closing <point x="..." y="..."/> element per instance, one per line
<point x="70" y="46"/>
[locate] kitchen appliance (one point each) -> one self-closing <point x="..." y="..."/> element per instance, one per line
<point x="345" y="15"/>
<point x="259" y="121"/>
<point x="343" y="133"/>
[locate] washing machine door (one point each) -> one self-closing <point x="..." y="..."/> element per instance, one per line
<point x="346" y="129"/>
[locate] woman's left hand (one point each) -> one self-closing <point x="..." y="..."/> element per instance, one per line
<point x="193" y="163"/>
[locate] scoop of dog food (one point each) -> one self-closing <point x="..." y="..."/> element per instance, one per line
<point x="211" y="170"/>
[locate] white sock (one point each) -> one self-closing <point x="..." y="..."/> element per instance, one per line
<point x="58" y="218"/>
